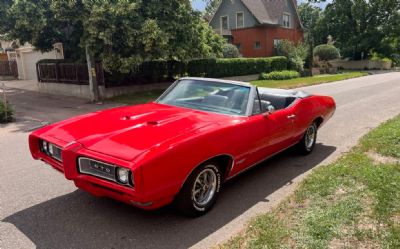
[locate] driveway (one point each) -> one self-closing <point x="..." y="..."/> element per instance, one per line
<point x="39" y="208"/>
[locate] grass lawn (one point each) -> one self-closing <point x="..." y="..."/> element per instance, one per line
<point x="308" y="81"/>
<point x="146" y="96"/>
<point x="137" y="97"/>
<point x="351" y="203"/>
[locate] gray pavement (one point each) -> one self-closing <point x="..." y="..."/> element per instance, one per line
<point x="40" y="209"/>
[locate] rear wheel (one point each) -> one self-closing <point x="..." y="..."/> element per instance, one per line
<point x="307" y="143"/>
<point x="200" y="190"/>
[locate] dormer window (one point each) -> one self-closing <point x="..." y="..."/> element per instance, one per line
<point x="239" y="20"/>
<point x="286" y="20"/>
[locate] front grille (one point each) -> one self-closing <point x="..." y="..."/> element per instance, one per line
<point x="96" y="168"/>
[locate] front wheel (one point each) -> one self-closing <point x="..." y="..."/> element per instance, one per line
<point x="307" y="143"/>
<point x="200" y="190"/>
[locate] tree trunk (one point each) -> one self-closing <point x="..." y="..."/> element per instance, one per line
<point x="94" y="88"/>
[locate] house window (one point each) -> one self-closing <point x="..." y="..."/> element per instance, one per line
<point x="224" y="23"/>
<point x="286" y="20"/>
<point x="257" y="45"/>
<point x="239" y="20"/>
<point x="276" y="42"/>
<point x="238" y="45"/>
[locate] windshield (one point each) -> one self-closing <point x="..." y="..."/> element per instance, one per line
<point x="208" y="96"/>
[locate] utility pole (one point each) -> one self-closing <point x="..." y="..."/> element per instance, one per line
<point x="94" y="88"/>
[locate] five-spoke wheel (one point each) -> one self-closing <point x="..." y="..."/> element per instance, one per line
<point x="200" y="190"/>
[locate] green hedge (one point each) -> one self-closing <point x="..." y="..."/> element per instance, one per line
<point x="216" y="68"/>
<point x="279" y="75"/>
<point x="163" y="71"/>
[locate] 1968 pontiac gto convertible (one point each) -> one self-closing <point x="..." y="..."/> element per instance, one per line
<point x="183" y="146"/>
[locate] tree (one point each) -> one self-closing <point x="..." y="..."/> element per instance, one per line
<point x="121" y="33"/>
<point x="361" y="26"/>
<point x="211" y="7"/>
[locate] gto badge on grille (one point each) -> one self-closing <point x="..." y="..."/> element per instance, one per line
<point x="100" y="167"/>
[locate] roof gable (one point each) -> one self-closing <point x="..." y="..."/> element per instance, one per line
<point x="269" y="11"/>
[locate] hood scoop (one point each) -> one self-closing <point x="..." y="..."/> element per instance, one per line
<point x="151" y="122"/>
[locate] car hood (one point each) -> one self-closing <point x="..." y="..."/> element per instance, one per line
<point x="126" y="132"/>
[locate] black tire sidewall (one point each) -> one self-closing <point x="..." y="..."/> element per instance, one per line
<point x="303" y="149"/>
<point x="184" y="200"/>
<point x="217" y="172"/>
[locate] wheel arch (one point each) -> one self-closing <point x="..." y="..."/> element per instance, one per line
<point x="225" y="161"/>
<point x="318" y="121"/>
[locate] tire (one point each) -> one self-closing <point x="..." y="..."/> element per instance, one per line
<point x="197" y="197"/>
<point x="307" y="143"/>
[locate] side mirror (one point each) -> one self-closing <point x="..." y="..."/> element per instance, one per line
<point x="269" y="110"/>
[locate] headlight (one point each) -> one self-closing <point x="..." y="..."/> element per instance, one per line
<point x="123" y="175"/>
<point x="50" y="149"/>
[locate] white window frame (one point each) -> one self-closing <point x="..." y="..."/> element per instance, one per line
<point x="289" y="20"/>
<point x="239" y="12"/>
<point x="227" y="19"/>
<point x="255" y="45"/>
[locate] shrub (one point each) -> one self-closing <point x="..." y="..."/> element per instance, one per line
<point x="295" y="53"/>
<point x="230" y="51"/>
<point x="6" y="113"/>
<point x="279" y="75"/>
<point x="215" y="68"/>
<point x="396" y="59"/>
<point x="326" y="52"/>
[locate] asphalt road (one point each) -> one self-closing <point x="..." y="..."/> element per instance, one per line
<point x="39" y="208"/>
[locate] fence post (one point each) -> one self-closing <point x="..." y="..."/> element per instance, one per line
<point x="56" y="71"/>
<point x="76" y="72"/>
<point x="37" y="72"/>
<point x="5" y="102"/>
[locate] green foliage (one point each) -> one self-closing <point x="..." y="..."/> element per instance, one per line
<point x="167" y="70"/>
<point x="361" y="26"/>
<point x="230" y="51"/>
<point x="296" y="53"/>
<point x="216" y="68"/>
<point x="122" y="34"/>
<point x="326" y="52"/>
<point x="6" y="112"/>
<point x="396" y="59"/>
<point x="279" y="75"/>
<point x="211" y="7"/>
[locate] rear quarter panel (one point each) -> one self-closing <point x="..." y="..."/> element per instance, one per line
<point x="309" y="109"/>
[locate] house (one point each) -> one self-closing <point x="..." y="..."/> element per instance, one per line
<point x="257" y="26"/>
<point x="26" y="57"/>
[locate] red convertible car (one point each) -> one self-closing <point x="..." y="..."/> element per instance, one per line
<point x="183" y="146"/>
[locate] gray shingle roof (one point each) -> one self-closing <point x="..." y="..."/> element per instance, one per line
<point x="266" y="11"/>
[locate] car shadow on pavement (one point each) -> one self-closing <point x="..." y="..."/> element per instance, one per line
<point x="78" y="220"/>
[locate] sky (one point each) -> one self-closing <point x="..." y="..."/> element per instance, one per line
<point x="200" y="4"/>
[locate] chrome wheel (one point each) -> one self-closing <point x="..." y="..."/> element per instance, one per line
<point x="310" y="137"/>
<point x="204" y="187"/>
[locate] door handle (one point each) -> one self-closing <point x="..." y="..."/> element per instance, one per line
<point x="291" y="116"/>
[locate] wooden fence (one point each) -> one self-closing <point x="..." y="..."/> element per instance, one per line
<point x="69" y="73"/>
<point x="8" y="68"/>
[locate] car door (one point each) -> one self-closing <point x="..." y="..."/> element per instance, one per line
<point x="264" y="134"/>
